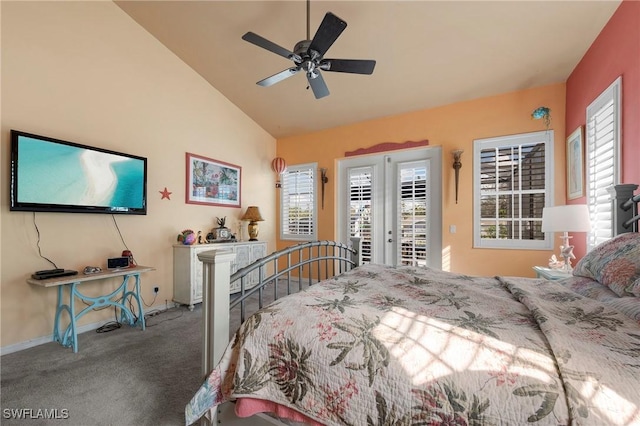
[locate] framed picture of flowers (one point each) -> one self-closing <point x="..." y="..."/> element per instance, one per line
<point x="212" y="182"/>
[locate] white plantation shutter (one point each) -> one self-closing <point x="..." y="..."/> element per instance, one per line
<point x="393" y="202"/>
<point x="298" y="203"/>
<point x="413" y="195"/>
<point x="513" y="182"/>
<point x="602" y="148"/>
<point x="361" y="208"/>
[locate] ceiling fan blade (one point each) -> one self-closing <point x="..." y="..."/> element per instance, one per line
<point x="270" y="46"/>
<point x="276" y="78"/>
<point x="319" y="87"/>
<point x="355" y="66"/>
<point x="330" y="28"/>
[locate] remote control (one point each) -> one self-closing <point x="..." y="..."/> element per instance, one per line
<point x="49" y="271"/>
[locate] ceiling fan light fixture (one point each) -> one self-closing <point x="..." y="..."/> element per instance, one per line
<point x="308" y="66"/>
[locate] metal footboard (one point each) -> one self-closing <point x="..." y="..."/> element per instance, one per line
<point x="291" y="270"/>
<point x="302" y="264"/>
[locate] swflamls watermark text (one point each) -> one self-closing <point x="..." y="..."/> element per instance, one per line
<point x="35" y="413"/>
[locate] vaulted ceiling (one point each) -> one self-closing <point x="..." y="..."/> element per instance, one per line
<point x="428" y="53"/>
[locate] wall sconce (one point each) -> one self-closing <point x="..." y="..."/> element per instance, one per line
<point x="279" y="166"/>
<point x="324" y="179"/>
<point x="253" y="216"/>
<point x="457" y="165"/>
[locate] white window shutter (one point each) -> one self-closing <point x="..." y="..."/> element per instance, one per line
<point x="602" y="148"/>
<point x="299" y="203"/>
<point x="513" y="182"/>
<point x="413" y="195"/>
<point x="360" y="208"/>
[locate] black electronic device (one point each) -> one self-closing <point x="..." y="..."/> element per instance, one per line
<point x="52" y="175"/>
<point x="118" y="262"/>
<point x="48" y="271"/>
<point x="64" y="273"/>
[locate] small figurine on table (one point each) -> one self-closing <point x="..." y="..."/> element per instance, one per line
<point x="554" y="263"/>
<point x="222" y="233"/>
<point x="187" y="237"/>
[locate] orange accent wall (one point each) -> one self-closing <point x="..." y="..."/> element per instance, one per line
<point x="451" y="127"/>
<point x="616" y="52"/>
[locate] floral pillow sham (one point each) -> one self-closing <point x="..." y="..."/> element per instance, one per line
<point x="629" y="306"/>
<point x="615" y="264"/>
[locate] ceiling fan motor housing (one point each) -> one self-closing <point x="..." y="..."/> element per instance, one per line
<point x="302" y="48"/>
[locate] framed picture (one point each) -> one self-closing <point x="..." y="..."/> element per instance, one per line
<point x="575" y="165"/>
<point x="212" y="182"/>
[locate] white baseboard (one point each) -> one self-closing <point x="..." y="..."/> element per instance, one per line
<point x="16" y="347"/>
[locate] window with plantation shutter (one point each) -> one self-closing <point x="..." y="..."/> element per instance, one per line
<point x="414" y="194"/>
<point x="361" y="208"/>
<point x="298" y="207"/>
<point x="513" y="182"/>
<point x="603" y="160"/>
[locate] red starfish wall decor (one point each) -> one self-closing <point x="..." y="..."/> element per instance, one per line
<point x="165" y="194"/>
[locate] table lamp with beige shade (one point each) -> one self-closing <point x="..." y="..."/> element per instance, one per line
<point x="253" y="216"/>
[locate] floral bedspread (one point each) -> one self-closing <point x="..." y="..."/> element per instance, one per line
<point x="386" y="345"/>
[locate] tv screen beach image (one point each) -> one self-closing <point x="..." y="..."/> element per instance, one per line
<point x="55" y="173"/>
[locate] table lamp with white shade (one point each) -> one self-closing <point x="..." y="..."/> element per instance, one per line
<point x="565" y="219"/>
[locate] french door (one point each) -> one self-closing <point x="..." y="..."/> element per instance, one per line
<point x="394" y="203"/>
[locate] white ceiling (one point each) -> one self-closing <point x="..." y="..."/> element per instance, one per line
<point x="428" y="53"/>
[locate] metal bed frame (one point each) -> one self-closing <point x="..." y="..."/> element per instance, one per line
<point x="299" y="265"/>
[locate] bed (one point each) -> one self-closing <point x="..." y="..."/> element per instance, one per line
<point x="383" y="345"/>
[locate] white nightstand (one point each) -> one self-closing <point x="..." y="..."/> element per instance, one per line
<point x="551" y="274"/>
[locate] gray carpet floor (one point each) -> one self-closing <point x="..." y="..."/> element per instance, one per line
<point x="123" y="377"/>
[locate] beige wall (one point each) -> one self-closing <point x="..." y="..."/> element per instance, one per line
<point x="451" y="127"/>
<point x="86" y="72"/>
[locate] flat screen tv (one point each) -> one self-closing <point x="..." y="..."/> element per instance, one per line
<point x="51" y="175"/>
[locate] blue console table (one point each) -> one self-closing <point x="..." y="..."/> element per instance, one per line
<point x="118" y="298"/>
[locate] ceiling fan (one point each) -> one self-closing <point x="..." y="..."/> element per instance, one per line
<point x="308" y="55"/>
